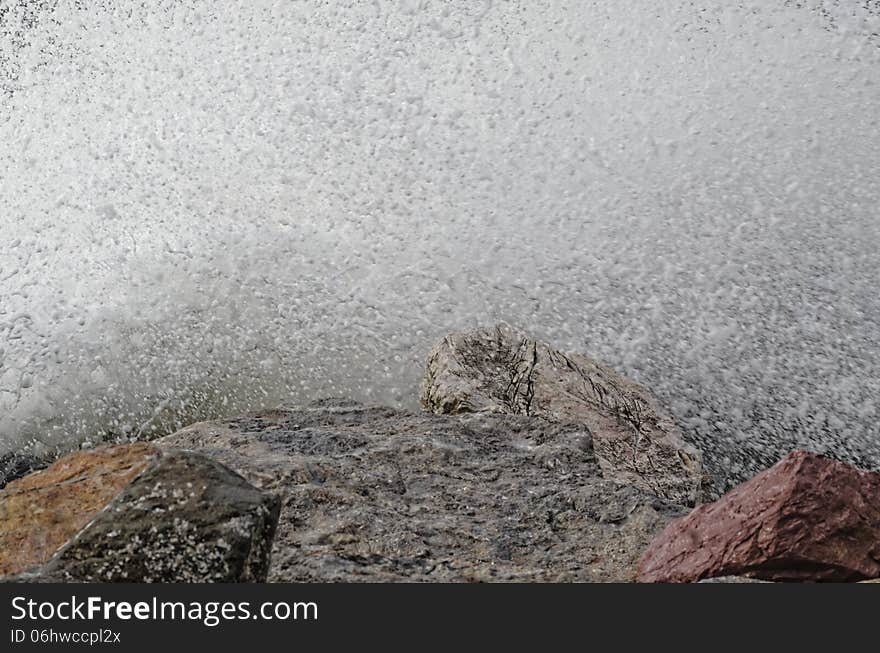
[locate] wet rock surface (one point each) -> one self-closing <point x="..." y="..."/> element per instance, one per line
<point x="136" y="513"/>
<point x="503" y="370"/>
<point x="375" y="494"/>
<point x="807" y="518"/>
<point x="42" y="511"/>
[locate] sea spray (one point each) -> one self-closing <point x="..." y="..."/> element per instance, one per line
<point x="208" y="207"/>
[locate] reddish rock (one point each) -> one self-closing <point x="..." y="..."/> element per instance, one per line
<point x="807" y="518"/>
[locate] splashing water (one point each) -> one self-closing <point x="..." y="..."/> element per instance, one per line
<point x="207" y="207"/>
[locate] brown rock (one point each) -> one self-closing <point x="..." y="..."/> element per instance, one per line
<point x="40" y="512"/>
<point x="807" y="518"/>
<point x="185" y="519"/>
<point x="136" y="513"/>
<point x="502" y="370"/>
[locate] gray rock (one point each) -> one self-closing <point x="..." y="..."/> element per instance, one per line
<point x="502" y="370"/>
<point x="373" y="494"/>
<point x="185" y="519"/>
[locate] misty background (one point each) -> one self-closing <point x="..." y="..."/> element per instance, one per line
<point x="215" y="206"/>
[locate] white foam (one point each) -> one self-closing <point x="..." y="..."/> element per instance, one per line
<point x="230" y="204"/>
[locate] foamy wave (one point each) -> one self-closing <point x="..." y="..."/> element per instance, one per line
<point x="208" y="207"/>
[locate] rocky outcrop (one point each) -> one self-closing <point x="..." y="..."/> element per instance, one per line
<point x="136" y="513"/>
<point x="807" y="518"/>
<point x="503" y="370"/>
<point x="374" y="494"/>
